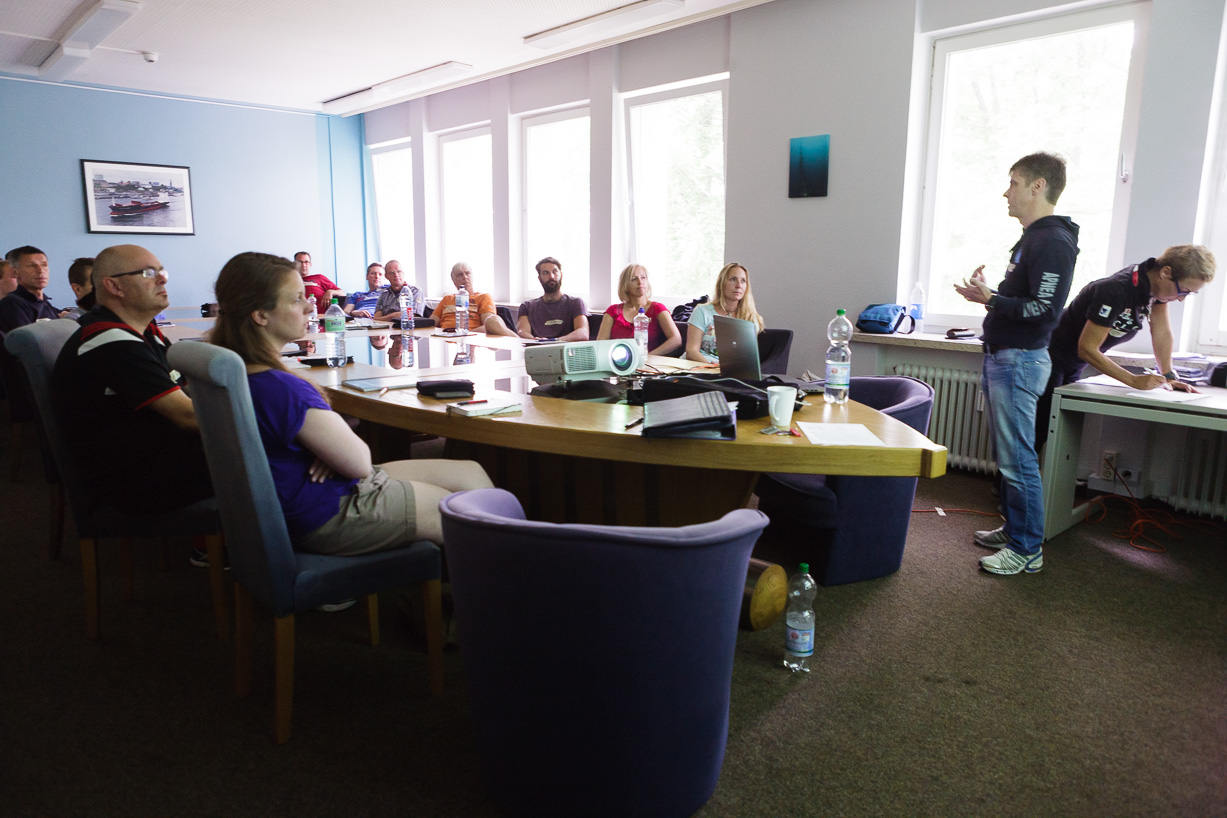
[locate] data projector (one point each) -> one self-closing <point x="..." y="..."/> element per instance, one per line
<point x="582" y="360"/>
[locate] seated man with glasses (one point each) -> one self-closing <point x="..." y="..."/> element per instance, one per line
<point x="121" y="405"/>
<point x="1110" y="311"/>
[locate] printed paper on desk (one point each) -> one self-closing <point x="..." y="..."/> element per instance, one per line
<point x="839" y="434"/>
<point x="1167" y="396"/>
<point x="1102" y="380"/>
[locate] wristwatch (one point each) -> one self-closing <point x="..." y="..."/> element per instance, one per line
<point x="1171" y="376"/>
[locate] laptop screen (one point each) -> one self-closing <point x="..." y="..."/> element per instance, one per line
<point x="737" y="346"/>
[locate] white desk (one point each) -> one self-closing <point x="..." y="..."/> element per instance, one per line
<point x="1070" y="406"/>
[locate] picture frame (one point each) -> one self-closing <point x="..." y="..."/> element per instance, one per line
<point x="137" y="198"/>
<point x="809" y="160"/>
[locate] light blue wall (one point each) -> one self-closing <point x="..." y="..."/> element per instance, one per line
<point x="264" y="180"/>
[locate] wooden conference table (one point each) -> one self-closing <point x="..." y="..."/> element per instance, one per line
<point x="575" y="461"/>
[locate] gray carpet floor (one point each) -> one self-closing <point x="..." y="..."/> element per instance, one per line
<point x="1095" y="687"/>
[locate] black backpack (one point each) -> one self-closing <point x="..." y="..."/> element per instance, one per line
<point x="681" y="313"/>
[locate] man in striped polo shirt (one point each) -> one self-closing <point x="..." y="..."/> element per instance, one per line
<point x="119" y="402"/>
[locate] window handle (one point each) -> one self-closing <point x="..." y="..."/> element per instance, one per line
<point x="1122" y="170"/>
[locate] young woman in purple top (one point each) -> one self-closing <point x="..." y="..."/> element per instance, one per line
<point x="619" y="321"/>
<point x="335" y="501"/>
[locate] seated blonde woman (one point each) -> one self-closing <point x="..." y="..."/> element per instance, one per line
<point x="731" y="298"/>
<point x="619" y="321"/>
<point x="334" y="499"/>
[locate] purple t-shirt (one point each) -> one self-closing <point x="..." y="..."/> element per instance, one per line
<point x="554" y="320"/>
<point x="281" y="401"/>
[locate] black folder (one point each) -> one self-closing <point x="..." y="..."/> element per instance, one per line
<point x="704" y="415"/>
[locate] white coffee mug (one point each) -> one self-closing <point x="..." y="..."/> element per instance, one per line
<point x="780" y="400"/>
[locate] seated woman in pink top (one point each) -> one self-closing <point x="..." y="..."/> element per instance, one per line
<point x="619" y="321"/>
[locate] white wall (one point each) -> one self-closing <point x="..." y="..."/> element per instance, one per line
<point x="802" y="68"/>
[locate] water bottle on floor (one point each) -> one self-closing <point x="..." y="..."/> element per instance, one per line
<point x="462" y="310"/>
<point x="334" y="335"/>
<point x="313" y="319"/>
<point x="641" y="330"/>
<point x="839" y="359"/>
<point x="799" y="620"/>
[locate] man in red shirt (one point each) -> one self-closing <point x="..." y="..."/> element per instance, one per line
<point x="317" y="284"/>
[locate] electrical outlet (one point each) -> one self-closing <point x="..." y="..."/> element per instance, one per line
<point x="1107" y="466"/>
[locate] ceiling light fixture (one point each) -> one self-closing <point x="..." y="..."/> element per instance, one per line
<point x="94" y="25"/>
<point x="592" y="29"/>
<point x="410" y="82"/>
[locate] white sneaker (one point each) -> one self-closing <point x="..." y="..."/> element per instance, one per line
<point x="1007" y="561"/>
<point x="997" y="538"/>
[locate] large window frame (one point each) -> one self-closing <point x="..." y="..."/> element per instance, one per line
<point x="634" y="244"/>
<point x="576" y="266"/>
<point x="438" y="282"/>
<point x="942" y="48"/>
<point x="385" y="250"/>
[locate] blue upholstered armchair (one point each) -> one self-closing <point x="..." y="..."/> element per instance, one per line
<point x="847" y="528"/>
<point x="599" y="659"/>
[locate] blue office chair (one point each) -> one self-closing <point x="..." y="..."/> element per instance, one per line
<point x="38" y="346"/>
<point x="599" y="659"/>
<point x="847" y="528"/>
<point x="264" y="564"/>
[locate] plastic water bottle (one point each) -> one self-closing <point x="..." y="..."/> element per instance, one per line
<point x="917" y="308"/>
<point x="313" y="320"/>
<point x="799" y="621"/>
<point x="406" y="329"/>
<point x="839" y="359"/>
<point x="462" y="310"/>
<point x="334" y="335"/>
<point x="642" y="322"/>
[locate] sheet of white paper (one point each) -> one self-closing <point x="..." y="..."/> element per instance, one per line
<point x="1103" y="380"/>
<point x="1165" y="395"/>
<point x="839" y="434"/>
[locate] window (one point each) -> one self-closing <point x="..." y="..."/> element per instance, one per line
<point x="467" y="189"/>
<point x="556" y="199"/>
<point x="1063" y="85"/>
<point x="392" y="172"/>
<point x="676" y="145"/>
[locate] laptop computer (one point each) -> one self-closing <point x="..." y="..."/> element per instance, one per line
<point x="737" y="345"/>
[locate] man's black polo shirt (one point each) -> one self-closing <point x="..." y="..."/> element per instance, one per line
<point x="20" y="307"/>
<point x="104" y="382"/>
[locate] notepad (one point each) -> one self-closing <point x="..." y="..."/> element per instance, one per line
<point x="499" y="403"/>
<point x="375" y="384"/>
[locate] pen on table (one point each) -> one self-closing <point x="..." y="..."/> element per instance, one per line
<point x="383" y="391"/>
<point x="471" y="402"/>
<point x="634" y="423"/>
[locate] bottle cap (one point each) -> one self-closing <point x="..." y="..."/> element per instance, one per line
<point x="804" y="567"/>
<point x="841" y="312"/>
<point x="641" y="309"/>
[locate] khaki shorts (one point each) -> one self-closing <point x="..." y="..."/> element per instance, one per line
<point x="379" y="515"/>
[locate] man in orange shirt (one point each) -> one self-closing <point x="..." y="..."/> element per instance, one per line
<point x="482" y="314"/>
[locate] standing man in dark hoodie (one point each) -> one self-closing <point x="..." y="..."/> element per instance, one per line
<point x="1021" y="316"/>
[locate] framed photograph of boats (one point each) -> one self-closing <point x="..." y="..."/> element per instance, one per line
<point x="131" y="197"/>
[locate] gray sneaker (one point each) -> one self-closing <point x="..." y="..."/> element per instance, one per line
<point x="1007" y="561"/>
<point x="997" y="538"/>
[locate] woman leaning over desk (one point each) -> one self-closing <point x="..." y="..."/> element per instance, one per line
<point x="731" y="298"/>
<point x="619" y="320"/>
<point x="334" y="500"/>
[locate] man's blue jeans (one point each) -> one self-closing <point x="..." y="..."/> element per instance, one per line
<point x="1013" y="380"/>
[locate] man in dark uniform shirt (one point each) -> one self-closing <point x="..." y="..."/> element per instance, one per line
<point x="26" y="303"/>
<point x="1110" y="311"/>
<point x="1021" y="316"/>
<point x="118" y="400"/>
